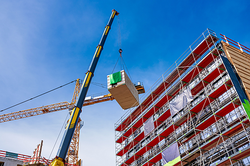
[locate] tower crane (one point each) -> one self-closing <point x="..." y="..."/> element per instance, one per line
<point x="74" y="145"/>
<point x="72" y="156"/>
<point x="54" y="107"/>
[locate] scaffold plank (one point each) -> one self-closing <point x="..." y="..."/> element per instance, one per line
<point x="209" y="58"/>
<point x="163" y="101"/>
<point x="151" y="112"/>
<point x="155" y="141"/>
<point x="206" y="123"/>
<point x="168" y="130"/>
<point x="121" y="139"/>
<point x="140" y="122"/>
<point x="193" y="73"/>
<point x="122" y="152"/>
<point x="163" y="117"/>
<point x="131" y="144"/>
<point x="155" y="159"/>
<point x="132" y="159"/>
<point x="143" y="150"/>
<point x="201" y="85"/>
<point x="215" y="73"/>
<point x="241" y="154"/>
<point x="201" y="105"/>
<point x="220" y="90"/>
<point x="226" y="109"/>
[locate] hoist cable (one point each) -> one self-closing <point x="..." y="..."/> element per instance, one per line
<point x="125" y="67"/>
<point x="122" y="62"/>
<point x="115" y="64"/>
<point x="119" y="33"/>
<point x="119" y="41"/>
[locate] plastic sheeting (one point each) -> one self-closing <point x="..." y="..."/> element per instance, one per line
<point x="180" y="101"/>
<point x="115" y="78"/>
<point x="148" y="126"/>
<point x="171" y="155"/>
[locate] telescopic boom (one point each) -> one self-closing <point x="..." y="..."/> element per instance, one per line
<point x="69" y="131"/>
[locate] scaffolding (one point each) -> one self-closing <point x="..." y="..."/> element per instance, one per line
<point x="211" y="129"/>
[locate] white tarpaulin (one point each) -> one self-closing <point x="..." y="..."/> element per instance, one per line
<point x="171" y="155"/>
<point x="148" y="126"/>
<point x="180" y="101"/>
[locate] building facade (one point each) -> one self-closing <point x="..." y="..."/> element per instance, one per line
<point x="196" y="114"/>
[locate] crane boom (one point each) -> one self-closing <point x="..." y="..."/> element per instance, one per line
<point x="69" y="131"/>
<point x="50" y="108"/>
<point x="35" y="111"/>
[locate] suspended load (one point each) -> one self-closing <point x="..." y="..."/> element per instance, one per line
<point x="123" y="90"/>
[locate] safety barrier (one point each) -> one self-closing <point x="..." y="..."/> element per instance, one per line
<point x="237" y="44"/>
<point x="27" y="159"/>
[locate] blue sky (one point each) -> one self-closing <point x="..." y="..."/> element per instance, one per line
<point x="44" y="44"/>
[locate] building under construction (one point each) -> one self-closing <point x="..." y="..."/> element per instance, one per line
<point x="197" y="113"/>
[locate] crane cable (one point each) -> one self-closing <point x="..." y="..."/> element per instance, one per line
<point x="119" y="33"/>
<point x="122" y="62"/>
<point x="63" y="126"/>
<point x="38" y="96"/>
<point x="119" y="43"/>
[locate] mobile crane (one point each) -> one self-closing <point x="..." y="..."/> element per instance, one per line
<point x="70" y="128"/>
<point x="66" y="105"/>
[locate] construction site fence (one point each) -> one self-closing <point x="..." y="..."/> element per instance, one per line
<point x="21" y="157"/>
<point x="26" y="159"/>
<point x="46" y="162"/>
